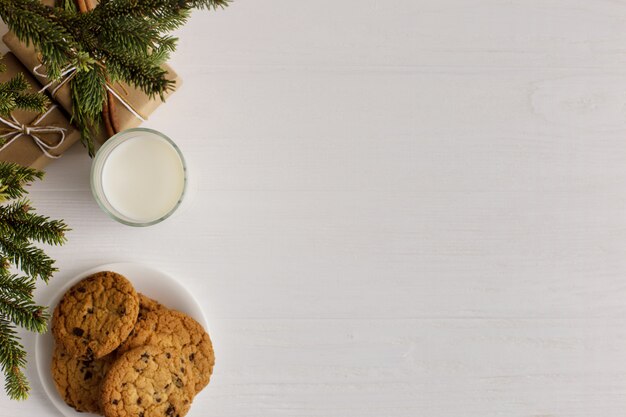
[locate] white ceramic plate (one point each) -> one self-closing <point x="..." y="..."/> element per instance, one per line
<point x="151" y="282"/>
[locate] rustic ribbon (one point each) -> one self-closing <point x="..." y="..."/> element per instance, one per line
<point x="68" y="73"/>
<point x="17" y="129"/>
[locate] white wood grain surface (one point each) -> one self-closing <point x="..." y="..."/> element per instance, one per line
<point x="408" y="208"/>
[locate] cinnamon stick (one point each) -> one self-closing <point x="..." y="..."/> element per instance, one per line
<point x="82" y="6"/>
<point x="113" y="112"/>
<point x="107" y="119"/>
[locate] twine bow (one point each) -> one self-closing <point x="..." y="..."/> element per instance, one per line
<point x="70" y="72"/>
<point x="17" y="129"/>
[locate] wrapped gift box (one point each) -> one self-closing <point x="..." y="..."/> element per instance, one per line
<point x="134" y="97"/>
<point x="29" y="138"/>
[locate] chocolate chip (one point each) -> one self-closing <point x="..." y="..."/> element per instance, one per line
<point x="167" y="386"/>
<point x="81" y="289"/>
<point x="121" y="311"/>
<point x="182" y="369"/>
<point x="170" y="410"/>
<point x="141" y="414"/>
<point x="167" y="355"/>
<point x="114" y="402"/>
<point x="139" y="401"/>
<point x="90" y="310"/>
<point x="77" y="331"/>
<point x="144" y="357"/>
<point x="158" y="399"/>
<point x="192" y="357"/>
<point x="88" y="375"/>
<point x="178" y="382"/>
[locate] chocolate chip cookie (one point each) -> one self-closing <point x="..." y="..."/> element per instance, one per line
<point x="95" y="315"/>
<point x="148" y="382"/>
<point x="78" y="380"/>
<point x="172" y="329"/>
<point x="147" y="304"/>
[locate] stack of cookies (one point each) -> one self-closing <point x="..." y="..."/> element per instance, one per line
<point x="121" y="354"/>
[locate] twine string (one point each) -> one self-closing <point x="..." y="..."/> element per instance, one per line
<point x="17" y="129"/>
<point x="70" y="72"/>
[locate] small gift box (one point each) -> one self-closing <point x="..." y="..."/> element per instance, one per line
<point x="28" y="138"/>
<point x="133" y="106"/>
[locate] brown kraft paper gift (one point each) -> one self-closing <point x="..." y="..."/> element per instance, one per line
<point x="22" y="148"/>
<point x="136" y="98"/>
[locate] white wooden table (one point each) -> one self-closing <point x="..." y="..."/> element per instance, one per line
<point x="408" y="208"/>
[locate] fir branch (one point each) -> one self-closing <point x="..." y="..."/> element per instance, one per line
<point x="41" y="229"/>
<point x="20" y="225"/>
<point x="15" y="85"/>
<point x="15" y="284"/>
<point x="14" y="177"/>
<point x="13" y="212"/>
<point x="34" y="102"/>
<point x="88" y="91"/>
<point x="163" y="15"/>
<point x="12" y="361"/>
<point x="13" y="96"/>
<point x="45" y="27"/>
<point x="142" y="74"/>
<point x="20" y="222"/>
<point x="68" y="5"/>
<point x="27" y="257"/>
<point x="7" y="103"/>
<point x="209" y="4"/>
<point x="23" y="312"/>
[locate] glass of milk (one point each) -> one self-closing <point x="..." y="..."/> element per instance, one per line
<point x="139" y="177"/>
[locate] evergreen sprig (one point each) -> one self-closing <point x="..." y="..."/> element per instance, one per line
<point x="12" y="361"/>
<point x="13" y="95"/>
<point x="119" y="40"/>
<point x="14" y="179"/>
<point x="20" y="229"/>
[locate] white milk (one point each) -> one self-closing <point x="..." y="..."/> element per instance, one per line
<point x="143" y="178"/>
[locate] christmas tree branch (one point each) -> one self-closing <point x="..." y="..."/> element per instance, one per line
<point x="23" y="224"/>
<point x="12" y="283"/>
<point x="23" y="312"/>
<point x="13" y="179"/>
<point x="20" y="226"/>
<point x="13" y="96"/>
<point x="29" y="258"/>
<point x="45" y="27"/>
<point x="88" y="90"/>
<point x="12" y="361"/>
